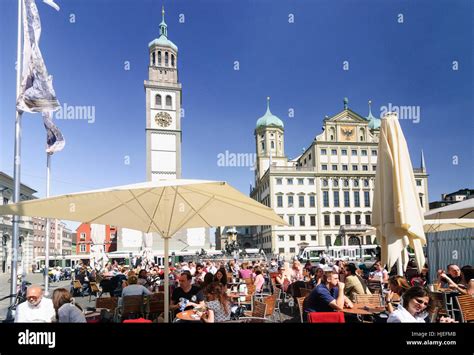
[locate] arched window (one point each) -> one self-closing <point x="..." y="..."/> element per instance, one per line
<point x="172" y="60"/>
<point x="168" y="100"/>
<point x="273" y="145"/>
<point x="159" y="57"/>
<point x="153" y="58"/>
<point x="158" y="100"/>
<point x="353" y="240"/>
<point x="263" y="146"/>
<point x="362" y="135"/>
<point x="166" y="59"/>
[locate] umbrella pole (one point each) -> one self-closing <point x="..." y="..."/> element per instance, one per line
<point x="167" y="280"/>
<point x="400" y="266"/>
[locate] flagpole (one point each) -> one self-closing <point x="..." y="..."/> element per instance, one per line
<point x="17" y="163"/>
<point x="48" y="228"/>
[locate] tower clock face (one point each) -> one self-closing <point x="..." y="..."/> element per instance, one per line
<point x="163" y="119"/>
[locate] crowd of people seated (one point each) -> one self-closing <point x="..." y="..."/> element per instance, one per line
<point x="206" y="285"/>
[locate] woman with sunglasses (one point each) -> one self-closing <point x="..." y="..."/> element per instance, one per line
<point x="415" y="307"/>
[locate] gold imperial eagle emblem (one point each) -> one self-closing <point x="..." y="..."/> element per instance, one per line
<point x="348" y="133"/>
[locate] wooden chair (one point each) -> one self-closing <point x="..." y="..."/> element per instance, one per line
<point x="270" y="301"/>
<point x="94" y="290"/>
<point x="273" y="275"/>
<point x="250" y="292"/>
<point x="466" y="305"/>
<point x="259" y="309"/>
<point x="248" y="281"/>
<point x="373" y="300"/>
<point x="155" y="305"/>
<point x="374" y="286"/>
<point x="277" y="294"/>
<point x="109" y="303"/>
<point x="439" y="304"/>
<point x="300" y="301"/>
<point x="77" y="288"/>
<point x="132" y="306"/>
<point x="305" y="292"/>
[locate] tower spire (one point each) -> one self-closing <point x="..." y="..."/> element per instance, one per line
<point x="423" y="166"/>
<point x="163" y="26"/>
<point x="268" y="105"/>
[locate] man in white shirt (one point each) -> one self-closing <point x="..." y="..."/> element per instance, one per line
<point x="36" y="309"/>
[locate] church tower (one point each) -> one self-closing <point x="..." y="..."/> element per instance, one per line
<point x="270" y="144"/>
<point x="163" y="109"/>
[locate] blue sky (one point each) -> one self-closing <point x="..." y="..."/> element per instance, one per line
<point x="300" y="65"/>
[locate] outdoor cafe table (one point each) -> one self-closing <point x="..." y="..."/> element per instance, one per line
<point x="364" y="309"/>
<point x="188" y="315"/>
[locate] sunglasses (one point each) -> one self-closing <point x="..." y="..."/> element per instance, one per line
<point x="421" y="302"/>
<point x="33" y="298"/>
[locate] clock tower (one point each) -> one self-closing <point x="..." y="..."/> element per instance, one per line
<point x="163" y="109"/>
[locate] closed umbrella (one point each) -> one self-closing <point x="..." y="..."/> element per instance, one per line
<point x="164" y="207"/>
<point x="98" y="255"/>
<point x="397" y="213"/>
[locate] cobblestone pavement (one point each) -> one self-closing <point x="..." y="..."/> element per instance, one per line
<point x="289" y="314"/>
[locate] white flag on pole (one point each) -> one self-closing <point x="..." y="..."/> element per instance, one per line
<point x="36" y="89"/>
<point x="54" y="139"/>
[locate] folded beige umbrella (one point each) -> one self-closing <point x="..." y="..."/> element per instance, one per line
<point x="397" y="213"/>
<point x="164" y="207"/>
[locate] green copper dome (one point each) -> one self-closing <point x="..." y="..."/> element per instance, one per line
<point x="163" y="40"/>
<point x="374" y="122"/>
<point x="268" y="119"/>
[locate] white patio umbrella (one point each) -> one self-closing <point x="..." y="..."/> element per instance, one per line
<point x="397" y="213"/>
<point x="164" y="207"/>
<point x="442" y="225"/>
<point x="463" y="209"/>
